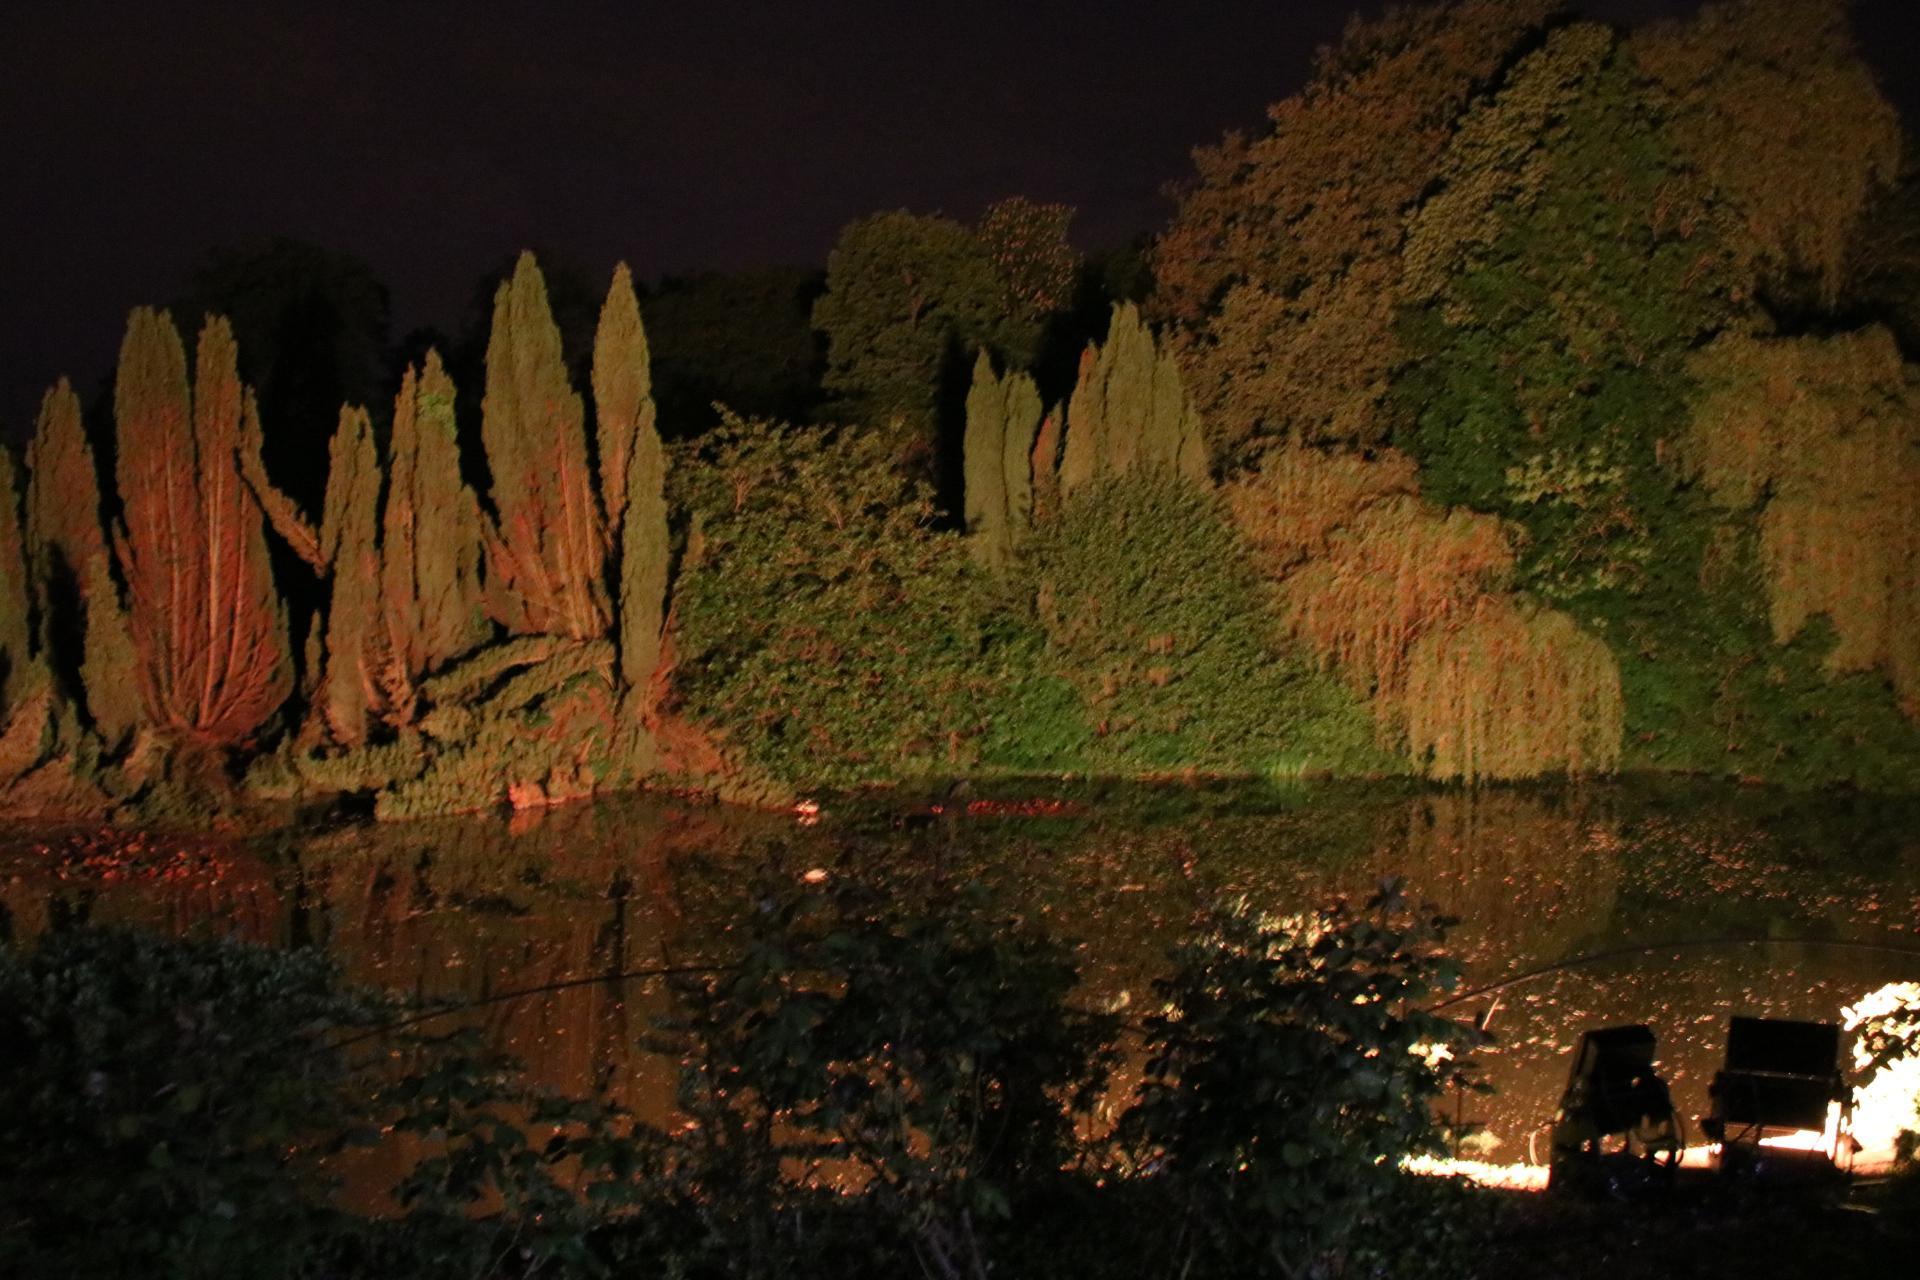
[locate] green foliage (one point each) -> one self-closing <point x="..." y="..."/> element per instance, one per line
<point x="1707" y="690"/>
<point x="909" y="297"/>
<point x="1149" y="603"/>
<point x="1565" y="293"/>
<point x="170" y="1090"/>
<point x="533" y="733"/>
<point x="178" y="1108"/>
<point x="1291" y="1069"/>
<point x="881" y="1068"/>
<point x="825" y="629"/>
<point x="902" y="1036"/>
<point x="744" y="339"/>
<point x="1282" y="265"/>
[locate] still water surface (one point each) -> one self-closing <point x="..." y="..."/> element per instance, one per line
<point x="479" y="907"/>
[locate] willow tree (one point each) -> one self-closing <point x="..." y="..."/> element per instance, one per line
<point x="1409" y="604"/>
<point x="71" y="568"/>
<point x="1819" y="440"/>
<point x="207" y="626"/>
<point x="546" y="547"/>
<point x="1513" y="692"/>
<point x="1771" y="102"/>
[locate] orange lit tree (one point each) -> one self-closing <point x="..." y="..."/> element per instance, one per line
<point x="207" y="625"/>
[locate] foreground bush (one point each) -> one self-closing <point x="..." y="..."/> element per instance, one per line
<point x="884" y="1070"/>
<point x="175" y="1108"/>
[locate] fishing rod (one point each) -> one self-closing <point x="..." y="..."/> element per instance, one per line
<point x="1683" y="944"/>
<point x="521" y="993"/>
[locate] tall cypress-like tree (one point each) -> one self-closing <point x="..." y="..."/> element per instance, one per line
<point x="1129" y="408"/>
<point x="69" y="563"/>
<point x="16" y="629"/>
<point x="546" y="549"/>
<point x="622" y="394"/>
<point x="632" y="476"/>
<point x="353" y="688"/>
<point x="206" y="623"/>
<point x="981" y="471"/>
<point x="431" y="537"/>
<point x="1003" y="422"/>
<point x="64" y="534"/>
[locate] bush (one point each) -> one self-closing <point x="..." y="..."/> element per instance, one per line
<point x="170" y="1107"/>
<point x="1291" y="1071"/>
<point x="885" y="1066"/>
<point x="825" y="628"/>
<point x="1149" y="603"/>
<point x="887" y="1034"/>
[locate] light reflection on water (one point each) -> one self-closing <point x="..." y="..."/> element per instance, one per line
<point x="475" y="908"/>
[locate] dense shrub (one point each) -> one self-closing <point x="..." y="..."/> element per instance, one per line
<point x="1148" y="599"/>
<point x="1291" y="1069"/>
<point x="888" y="1034"/>
<point x="176" y="1108"/>
<point x="825" y="628"/>
<point x="880" y="1067"/>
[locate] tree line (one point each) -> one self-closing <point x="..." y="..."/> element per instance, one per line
<point x="1530" y="396"/>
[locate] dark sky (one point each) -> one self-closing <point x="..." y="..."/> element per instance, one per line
<point x="432" y="139"/>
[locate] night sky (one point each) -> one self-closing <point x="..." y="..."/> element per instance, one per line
<point x="431" y="140"/>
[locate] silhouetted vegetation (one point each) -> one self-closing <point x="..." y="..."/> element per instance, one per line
<point x="879" y="1070"/>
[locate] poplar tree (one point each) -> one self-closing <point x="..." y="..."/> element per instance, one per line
<point x="354" y="681"/>
<point x="68" y="559"/>
<point x="622" y="399"/>
<point x="981" y="471"/>
<point x="1129" y="408"/>
<point x="25" y="690"/>
<point x="206" y="623"/>
<point x="1022" y="413"/>
<point x="1003" y="422"/>
<point x="431" y="537"/>
<point x="63" y="529"/>
<point x="632" y="477"/>
<point x="545" y="540"/>
<point x="643" y="560"/>
<point x="16" y="630"/>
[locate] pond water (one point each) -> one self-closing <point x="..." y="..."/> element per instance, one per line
<point x="1715" y="900"/>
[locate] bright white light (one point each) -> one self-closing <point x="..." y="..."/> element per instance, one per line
<point x="1509" y="1177"/>
<point x="1888" y="1102"/>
